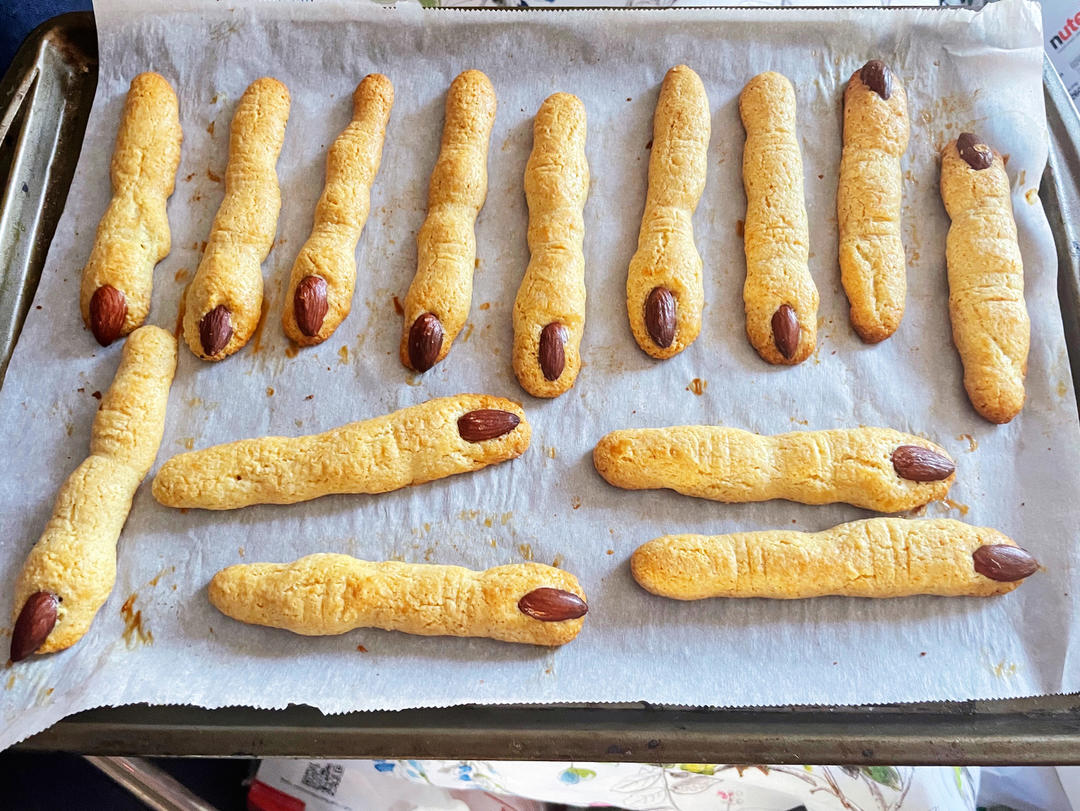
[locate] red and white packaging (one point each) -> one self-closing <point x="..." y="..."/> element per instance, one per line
<point x="1061" y="29"/>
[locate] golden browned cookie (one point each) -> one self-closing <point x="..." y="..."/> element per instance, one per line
<point x="549" y="311"/>
<point x="224" y="300"/>
<point x="437" y="303"/>
<point x="415" y="445"/>
<point x="878" y="557"/>
<point x="780" y="296"/>
<point x="133" y="235"/>
<point x="873" y="468"/>
<point x="331" y="594"/>
<point x="70" y="572"/>
<point x="664" y="291"/>
<point x="872" y="263"/>
<point x="324" y="274"/>
<point x="990" y="322"/>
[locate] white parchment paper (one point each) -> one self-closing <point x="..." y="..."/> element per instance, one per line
<point x="159" y="640"/>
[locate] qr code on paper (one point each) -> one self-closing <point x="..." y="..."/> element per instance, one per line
<point x="323" y="777"/>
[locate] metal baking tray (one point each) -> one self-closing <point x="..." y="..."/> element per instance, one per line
<point x="46" y="97"/>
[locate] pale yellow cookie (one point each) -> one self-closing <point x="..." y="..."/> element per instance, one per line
<point x="990" y="322"/>
<point x="324" y="274"/>
<point x="224" y="300"/>
<point x="780" y="296"/>
<point x="415" y="445"/>
<point x="549" y="311"/>
<point x="664" y="290"/>
<point x="71" y="569"/>
<point x="437" y="303"/>
<point x="873" y="468"/>
<point x="326" y="594"/>
<point x="878" y="557"/>
<point x="133" y="235"/>
<point x="872" y="263"/>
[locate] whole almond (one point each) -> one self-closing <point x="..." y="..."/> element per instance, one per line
<point x="215" y="329"/>
<point x="1004" y="562"/>
<point x="552" y="354"/>
<point x="36" y="621"/>
<point x="425" y="341"/>
<point x="552" y="605"/>
<point x="660" y="316"/>
<point x="310" y="305"/>
<point x="975" y="154"/>
<point x="785" y="330"/>
<point x="108" y="309"/>
<point x="486" y="423"/>
<point x="919" y="464"/>
<point x="876" y="75"/>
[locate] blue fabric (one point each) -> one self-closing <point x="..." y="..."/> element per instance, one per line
<point x="19" y="17"/>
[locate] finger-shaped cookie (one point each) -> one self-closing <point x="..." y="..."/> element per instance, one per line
<point x="415" y="445"/>
<point x="664" y="291"/>
<point x="324" y="274"/>
<point x="549" y="311"/>
<point x="133" y="235"/>
<point x="324" y="594"/>
<point x="780" y="297"/>
<point x="873" y="468"/>
<point x="990" y="322"/>
<point x="224" y="300"/>
<point x="437" y="303"/>
<point x="872" y="263"/>
<point x="878" y="557"/>
<point x="71" y="569"/>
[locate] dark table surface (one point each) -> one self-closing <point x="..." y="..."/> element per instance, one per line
<point x="19" y="17"/>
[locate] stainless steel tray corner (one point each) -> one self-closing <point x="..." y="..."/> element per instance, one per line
<point x="45" y="100"/>
<point x="46" y="97"/>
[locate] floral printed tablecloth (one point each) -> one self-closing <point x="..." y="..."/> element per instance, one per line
<point x="469" y="785"/>
<point x="673" y="3"/>
<point x="704" y="787"/>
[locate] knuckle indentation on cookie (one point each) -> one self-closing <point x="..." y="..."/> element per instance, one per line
<point x="876" y="75"/>
<point x="552" y="605"/>
<point x="919" y="464"/>
<point x="785" y="327"/>
<point x="552" y="353"/>
<point x="215" y="329"/>
<point x="425" y="341"/>
<point x="310" y="304"/>
<point x="660" y="316"/>
<point x="108" y="309"/>
<point x="34" y="624"/>
<point x="486" y="423"/>
<point x="1004" y="563"/>
<point x="976" y="154"/>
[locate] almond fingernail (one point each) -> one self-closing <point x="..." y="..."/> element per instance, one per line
<point x="552" y="605"/>
<point x="486" y="423"/>
<point x="35" y="623"/>
<point x="920" y="464"/>
<point x="552" y="353"/>
<point x="1004" y="562"/>
<point x="785" y="330"/>
<point x="108" y="309"/>
<point x="876" y="75"/>
<point x="425" y="341"/>
<point x="310" y="305"/>
<point x="660" y="316"/>
<point x="976" y="155"/>
<point x="215" y="330"/>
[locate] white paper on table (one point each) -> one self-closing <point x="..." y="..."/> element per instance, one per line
<point x="962" y="71"/>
